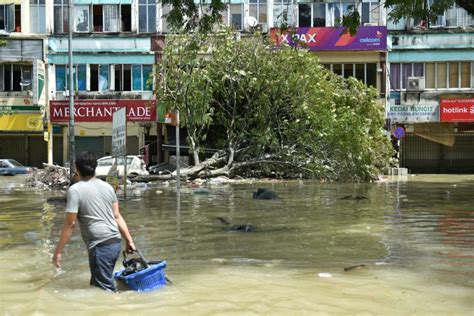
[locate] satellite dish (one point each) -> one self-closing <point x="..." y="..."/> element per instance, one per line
<point x="252" y="22"/>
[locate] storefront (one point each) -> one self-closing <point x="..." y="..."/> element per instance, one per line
<point x="21" y="132"/>
<point x="431" y="82"/>
<point x="440" y="138"/>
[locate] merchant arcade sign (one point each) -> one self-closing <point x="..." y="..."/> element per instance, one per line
<point x="102" y="110"/>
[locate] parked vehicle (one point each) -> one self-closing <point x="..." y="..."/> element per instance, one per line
<point x="135" y="166"/>
<point x="10" y="167"/>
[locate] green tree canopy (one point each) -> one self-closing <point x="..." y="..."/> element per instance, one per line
<point x="270" y="111"/>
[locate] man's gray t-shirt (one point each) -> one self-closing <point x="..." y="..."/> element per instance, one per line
<point x="92" y="201"/>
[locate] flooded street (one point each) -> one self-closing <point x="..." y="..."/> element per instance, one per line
<point x="416" y="239"/>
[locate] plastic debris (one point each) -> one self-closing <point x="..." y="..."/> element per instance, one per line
<point x="325" y="275"/>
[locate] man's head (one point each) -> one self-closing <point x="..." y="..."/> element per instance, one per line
<point x="86" y="162"/>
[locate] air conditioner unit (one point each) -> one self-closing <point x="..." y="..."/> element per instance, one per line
<point x="371" y="24"/>
<point x="262" y="27"/>
<point x="415" y="84"/>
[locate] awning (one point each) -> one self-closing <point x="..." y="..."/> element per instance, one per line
<point x="31" y="122"/>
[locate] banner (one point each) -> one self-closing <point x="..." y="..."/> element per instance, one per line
<point x="457" y="110"/>
<point x="39" y="75"/>
<point x="333" y="38"/>
<point x="102" y="110"/>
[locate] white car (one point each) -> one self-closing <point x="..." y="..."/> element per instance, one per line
<point x="135" y="166"/>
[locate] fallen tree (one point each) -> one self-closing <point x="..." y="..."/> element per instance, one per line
<point x="270" y="112"/>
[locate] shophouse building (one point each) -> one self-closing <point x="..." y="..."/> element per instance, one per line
<point x="22" y="81"/>
<point x="431" y="84"/>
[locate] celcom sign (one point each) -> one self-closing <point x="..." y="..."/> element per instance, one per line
<point x="332" y="38"/>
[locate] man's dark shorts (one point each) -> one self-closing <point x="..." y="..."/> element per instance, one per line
<point x="102" y="259"/>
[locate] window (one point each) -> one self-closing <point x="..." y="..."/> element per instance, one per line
<point x="258" y="10"/>
<point x="453" y="17"/>
<point x="465" y="75"/>
<point x="7" y="18"/>
<point x="81" y="18"/>
<point x="348" y="70"/>
<point x="99" y="77"/>
<point x="37" y="16"/>
<point x="304" y="15"/>
<point x="283" y="12"/>
<point x="399" y="74"/>
<point x="237" y="16"/>
<point x="430" y="75"/>
<point x="17" y="18"/>
<point x="61" y="16"/>
<point x="453" y="75"/>
<point x="111" y="18"/>
<point x="371" y="75"/>
<point x="123" y="78"/>
<point x="141" y="75"/>
<point x="394" y="76"/>
<point x="442" y="75"/>
<point x="319" y="14"/>
<point x="97" y="18"/>
<point x="406" y="72"/>
<point x="126" y="17"/>
<point x="62" y="77"/>
<point x="367" y="73"/>
<point x="14" y="77"/>
<point x="147" y="16"/>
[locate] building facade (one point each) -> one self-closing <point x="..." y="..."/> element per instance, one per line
<point x="425" y="76"/>
<point x="431" y="83"/>
<point x="22" y="83"/>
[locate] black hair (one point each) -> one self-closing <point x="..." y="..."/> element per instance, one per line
<point x="86" y="162"/>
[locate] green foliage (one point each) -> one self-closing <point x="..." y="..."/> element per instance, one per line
<point x="276" y="110"/>
<point x="184" y="14"/>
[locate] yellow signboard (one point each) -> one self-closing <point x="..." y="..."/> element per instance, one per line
<point x="31" y="122"/>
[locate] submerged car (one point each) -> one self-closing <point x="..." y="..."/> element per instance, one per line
<point x="135" y="166"/>
<point x="10" y="167"/>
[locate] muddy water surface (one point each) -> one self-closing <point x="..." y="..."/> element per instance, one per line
<point x="416" y="239"/>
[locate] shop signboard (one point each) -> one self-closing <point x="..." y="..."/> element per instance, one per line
<point x="457" y="110"/>
<point x="39" y="74"/>
<point x="119" y="133"/>
<point x="102" y="110"/>
<point x="419" y="113"/>
<point x="333" y="38"/>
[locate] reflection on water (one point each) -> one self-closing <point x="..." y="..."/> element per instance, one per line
<point x="416" y="239"/>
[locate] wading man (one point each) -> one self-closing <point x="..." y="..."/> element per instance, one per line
<point x="93" y="203"/>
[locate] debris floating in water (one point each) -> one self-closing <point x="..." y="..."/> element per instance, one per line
<point x="325" y="275"/>
<point x="359" y="266"/>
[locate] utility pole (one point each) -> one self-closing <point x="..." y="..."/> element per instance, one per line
<point x="178" y="145"/>
<point x="72" y="143"/>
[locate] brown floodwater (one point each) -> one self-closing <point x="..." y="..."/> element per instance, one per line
<point x="415" y="238"/>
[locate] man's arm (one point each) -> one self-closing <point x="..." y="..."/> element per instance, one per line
<point x="123" y="228"/>
<point x="66" y="232"/>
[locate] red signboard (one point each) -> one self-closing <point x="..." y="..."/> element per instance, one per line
<point x="102" y="110"/>
<point x="457" y="110"/>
